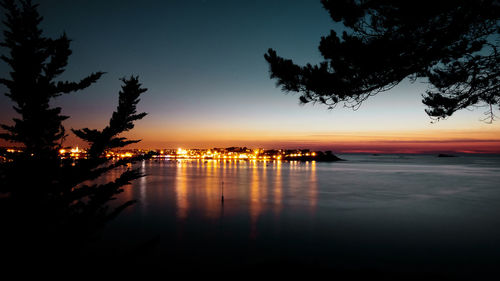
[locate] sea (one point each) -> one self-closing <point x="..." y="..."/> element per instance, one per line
<point x="403" y="215"/>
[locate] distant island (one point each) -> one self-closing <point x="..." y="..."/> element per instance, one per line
<point x="446" y="155"/>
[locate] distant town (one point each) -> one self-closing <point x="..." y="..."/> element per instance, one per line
<point x="230" y="153"/>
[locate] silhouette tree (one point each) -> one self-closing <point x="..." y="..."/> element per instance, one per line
<point x="88" y="202"/>
<point x="121" y="121"/>
<point x="49" y="203"/>
<point x="452" y="43"/>
<point x="36" y="62"/>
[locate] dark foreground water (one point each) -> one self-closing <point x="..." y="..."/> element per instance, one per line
<point x="410" y="214"/>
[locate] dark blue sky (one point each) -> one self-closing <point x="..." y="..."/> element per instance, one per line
<point x="208" y="82"/>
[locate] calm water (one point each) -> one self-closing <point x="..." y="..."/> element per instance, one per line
<point x="383" y="213"/>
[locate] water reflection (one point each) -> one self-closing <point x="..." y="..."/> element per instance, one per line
<point x="255" y="198"/>
<point x="278" y="186"/>
<point x="181" y="190"/>
<point x="260" y="187"/>
<point x="346" y="212"/>
<point x="212" y="184"/>
<point x="142" y="186"/>
<point x="313" y="186"/>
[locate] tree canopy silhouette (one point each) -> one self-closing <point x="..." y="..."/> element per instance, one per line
<point x="452" y="43"/>
<point x="36" y="61"/>
<point x="47" y="201"/>
<point x="121" y="120"/>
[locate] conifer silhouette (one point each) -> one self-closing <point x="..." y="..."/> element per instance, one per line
<point x="49" y="204"/>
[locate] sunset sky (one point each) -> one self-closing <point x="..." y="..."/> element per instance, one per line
<point x="209" y="84"/>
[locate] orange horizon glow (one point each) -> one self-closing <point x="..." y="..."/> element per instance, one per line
<point x="416" y="141"/>
<point x="484" y="140"/>
<point x="424" y="141"/>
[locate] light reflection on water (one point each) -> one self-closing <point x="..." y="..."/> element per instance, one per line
<point x="197" y="186"/>
<point x="412" y="209"/>
<point x="181" y="186"/>
<point x="264" y="186"/>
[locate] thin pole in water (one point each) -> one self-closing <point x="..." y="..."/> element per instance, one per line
<point x="222" y="197"/>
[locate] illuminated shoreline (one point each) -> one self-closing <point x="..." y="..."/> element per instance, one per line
<point x="230" y="153"/>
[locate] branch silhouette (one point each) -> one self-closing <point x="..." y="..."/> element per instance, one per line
<point x="452" y="44"/>
<point x="121" y="120"/>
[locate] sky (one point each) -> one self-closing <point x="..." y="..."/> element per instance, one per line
<point x="208" y="83"/>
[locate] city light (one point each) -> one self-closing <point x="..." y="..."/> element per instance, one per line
<point x="221" y="154"/>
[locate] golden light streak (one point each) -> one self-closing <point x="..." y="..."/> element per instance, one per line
<point x="313" y="186"/>
<point x="181" y="191"/>
<point x="278" y="193"/>
<point x="255" y="200"/>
